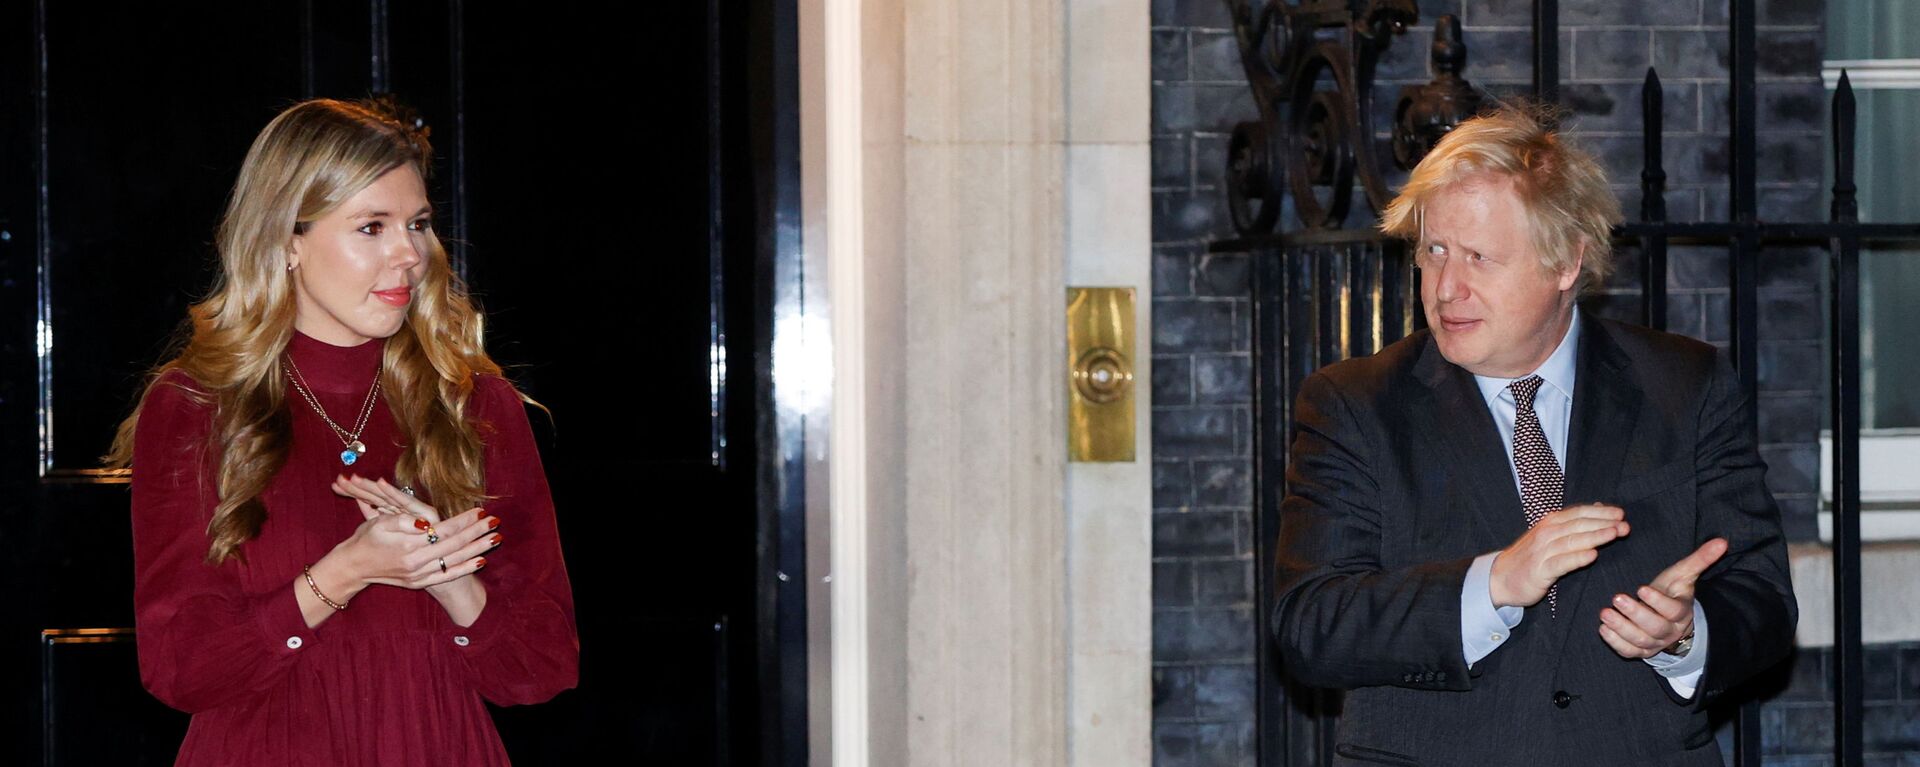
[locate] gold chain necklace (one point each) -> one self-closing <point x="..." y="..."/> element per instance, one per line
<point x="350" y="440"/>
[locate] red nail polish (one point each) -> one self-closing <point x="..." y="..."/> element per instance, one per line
<point x="420" y="524"/>
<point x="497" y="538"/>
<point x="481" y="564"/>
<point x="493" y="522"/>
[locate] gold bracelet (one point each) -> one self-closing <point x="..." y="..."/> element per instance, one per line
<point x="308" y="570"/>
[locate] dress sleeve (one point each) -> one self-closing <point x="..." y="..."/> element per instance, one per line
<point x="523" y="648"/>
<point x="203" y="641"/>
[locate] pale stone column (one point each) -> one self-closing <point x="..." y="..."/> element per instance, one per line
<point x="1110" y="505"/>
<point x="983" y="362"/>
<point x="988" y="604"/>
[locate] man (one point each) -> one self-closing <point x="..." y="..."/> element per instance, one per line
<point x="1525" y="535"/>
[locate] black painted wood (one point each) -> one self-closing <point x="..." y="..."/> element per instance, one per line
<point x="115" y="160"/>
<point x="591" y="249"/>
<point x="137" y="170"/>
<point x="89" y="685"/>
<point x="572" y="184"/>
<point x="773" y="122"/>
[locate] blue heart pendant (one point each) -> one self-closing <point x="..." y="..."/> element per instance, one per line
<point x="348" y="457"/>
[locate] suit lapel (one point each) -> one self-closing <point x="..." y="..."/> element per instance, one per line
<point x="1453" y="419"/>
<point x="1604" y="399"/>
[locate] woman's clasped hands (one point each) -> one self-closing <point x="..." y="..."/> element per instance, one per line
<point x="404" y="541"/>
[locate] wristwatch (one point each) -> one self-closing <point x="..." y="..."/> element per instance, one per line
<point x="1681" y="648"/>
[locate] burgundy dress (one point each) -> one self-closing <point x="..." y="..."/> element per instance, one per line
<point x="391" y="680"/>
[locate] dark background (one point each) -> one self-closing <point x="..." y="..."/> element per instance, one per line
<point x="605" y="178"/>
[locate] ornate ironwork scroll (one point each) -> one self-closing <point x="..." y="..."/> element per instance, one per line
<point x="1311" y="67"/>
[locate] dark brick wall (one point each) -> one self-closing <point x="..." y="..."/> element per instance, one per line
<point x="1797" y="725"/>
<point x="1202" y="421"/>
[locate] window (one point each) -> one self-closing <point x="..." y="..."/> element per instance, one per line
<point x="1878" y="43"/>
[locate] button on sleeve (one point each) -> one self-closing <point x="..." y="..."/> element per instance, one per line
<point x="1483" y="628"/>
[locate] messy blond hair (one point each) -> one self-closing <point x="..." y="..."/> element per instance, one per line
<point x="308" y="161"/>
<point x="1569" y="210"/>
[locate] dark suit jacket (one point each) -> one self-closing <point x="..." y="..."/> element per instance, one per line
<point x="1398" y="479"/>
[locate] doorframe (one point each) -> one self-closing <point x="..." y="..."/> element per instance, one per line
<point x="784" y="382"/>
<point x="826" y="357"/>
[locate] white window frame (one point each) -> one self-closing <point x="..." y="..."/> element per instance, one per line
<point x="1889" y="485"/>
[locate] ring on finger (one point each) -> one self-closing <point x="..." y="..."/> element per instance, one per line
<point x="443" y="564"/>
<point x="432" y="537"/>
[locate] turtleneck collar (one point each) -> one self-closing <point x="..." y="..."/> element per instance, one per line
<point x="337" y="369"/>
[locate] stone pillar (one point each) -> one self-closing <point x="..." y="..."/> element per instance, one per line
<point x="980" y="380"/>
<point x="963" y="157"/>
<point x="1110" y="505"/>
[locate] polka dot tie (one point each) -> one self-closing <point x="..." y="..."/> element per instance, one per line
<point x="1542" y="486"/>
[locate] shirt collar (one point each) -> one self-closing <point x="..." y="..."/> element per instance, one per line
<point x="1557" y="372"/>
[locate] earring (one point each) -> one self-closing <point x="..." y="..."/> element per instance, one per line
<point x="289" y="266"/>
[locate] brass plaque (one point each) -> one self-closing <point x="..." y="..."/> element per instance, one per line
<point x="1100" y="375"/>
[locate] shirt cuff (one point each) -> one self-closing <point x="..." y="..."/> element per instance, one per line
<point x="1683" y="673"/>
<point x="1483" y="628"/>
<point x="278" y="615"/>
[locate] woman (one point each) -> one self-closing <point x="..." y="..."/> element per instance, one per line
<point x="298" y="589"/>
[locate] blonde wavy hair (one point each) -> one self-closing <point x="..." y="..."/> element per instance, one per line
<point x="309" y="160"/>
<point x="1570" y="211"/>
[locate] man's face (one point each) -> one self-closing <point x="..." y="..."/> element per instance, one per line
<point x="1490" y="305"/>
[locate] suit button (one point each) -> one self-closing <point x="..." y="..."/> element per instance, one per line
<point x="1440" y="676"/>
<point x="1406" y="678"/>
<point x="1562" y="699"/>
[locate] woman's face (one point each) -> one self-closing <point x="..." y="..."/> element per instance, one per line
<point x="354" y="269"/>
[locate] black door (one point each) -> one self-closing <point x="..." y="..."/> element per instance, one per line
<point x="604" y="178"/>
